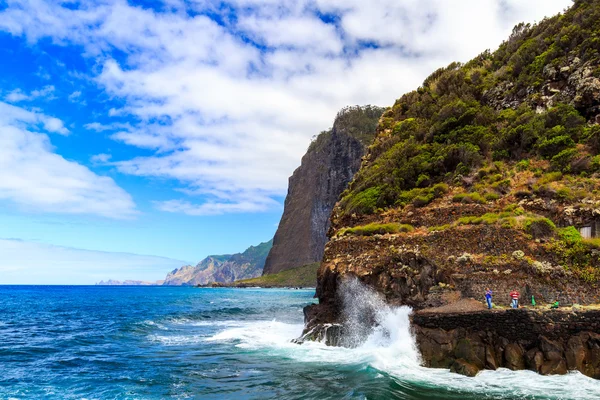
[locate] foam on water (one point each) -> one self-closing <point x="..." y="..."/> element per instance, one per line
<point x="391" y="348"/>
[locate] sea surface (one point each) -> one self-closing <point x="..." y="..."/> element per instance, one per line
<point x="74" y="342"/>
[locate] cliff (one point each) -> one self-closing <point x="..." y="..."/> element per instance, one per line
<point x="487" y="175"/>
<point x="329" y="164"/>
<point x="222" y="268"/>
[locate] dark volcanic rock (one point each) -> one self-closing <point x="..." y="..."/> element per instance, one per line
<point x="329" y="164"/>
<point x="547" y="342"/>
<point x="462" y="367"/>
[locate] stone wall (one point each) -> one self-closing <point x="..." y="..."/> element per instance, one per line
<point x="548" y="342"/>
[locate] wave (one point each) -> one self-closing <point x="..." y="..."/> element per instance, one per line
<point x="391" y="349"/>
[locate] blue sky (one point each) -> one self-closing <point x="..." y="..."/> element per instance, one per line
<point x="169" y="129"/>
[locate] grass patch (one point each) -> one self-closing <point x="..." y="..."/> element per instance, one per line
<point x="305" y="276"/>
<point x="374" y="229"/>
<point x="469" y="198"/>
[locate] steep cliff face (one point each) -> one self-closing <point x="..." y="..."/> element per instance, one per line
<point x="483" y="177"/>
<point x="329" y="164"/>
<point x="222" y="268"/>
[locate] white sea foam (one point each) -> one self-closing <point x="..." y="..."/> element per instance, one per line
<point x="391" y="348"/>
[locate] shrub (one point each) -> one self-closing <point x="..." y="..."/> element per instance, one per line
<point x="468" y="198"/>
<point x="421" y="201"/>
<point x="548" y="148"/>
<point x="365" y="201"/>
<point x="570" y="235"/>
<point x="550" y="177"/>
<point x="562" y="161"/>
<point x="440" y="189"/>
<point x="502" y="186"/>
<point x="539" y="227"/>
<point x="491" y="196"/>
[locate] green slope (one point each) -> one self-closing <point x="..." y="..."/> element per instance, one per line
<point x="305" y="276"/>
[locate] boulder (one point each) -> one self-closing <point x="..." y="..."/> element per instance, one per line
<point x="463" y="367"/>
<point x="554" y="367"/>
<point x="552" y="350"/>
<point x="471" y="350"/>
<point x="513" y="357"/>
<point x="576" y="353"/>
<point x="534" y="359"/>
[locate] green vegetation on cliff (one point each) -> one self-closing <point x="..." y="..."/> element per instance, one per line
<point x="531" y="99"/>
<point x="509" y="140"/>
<point x="305" y="276"/>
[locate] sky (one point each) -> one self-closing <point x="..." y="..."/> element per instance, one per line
<point x="138" y="136"/>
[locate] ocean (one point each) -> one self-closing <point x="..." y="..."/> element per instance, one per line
<point x="88" y="342"/>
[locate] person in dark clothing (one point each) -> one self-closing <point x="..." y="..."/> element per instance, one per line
<point x="555" y="305"/>
<point x="488" y="298"/>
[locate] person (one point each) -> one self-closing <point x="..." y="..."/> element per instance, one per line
<point x="555" y="305"/>
<point x="514" y="295"/>
<point x="532" y="300"/>
<point x="488" y="298"/>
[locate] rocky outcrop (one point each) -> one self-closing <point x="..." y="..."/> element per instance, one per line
<point x="483" y="178"/>
<point x="222" y="268"/>
<point x="547" y="342"/>
<point x="329" y="164"/>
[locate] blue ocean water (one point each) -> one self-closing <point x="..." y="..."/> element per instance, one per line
<point x="74" y="342"/>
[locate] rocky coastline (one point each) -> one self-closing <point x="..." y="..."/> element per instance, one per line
<point x="486" y="176"/>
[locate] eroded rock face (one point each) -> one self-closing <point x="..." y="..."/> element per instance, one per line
<point x="545" y="342"/>
<point x="327" y="167"/>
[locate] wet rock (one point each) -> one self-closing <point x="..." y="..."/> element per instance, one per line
<point x="472" y="351"/>
<point x="513" y="357"/>
<point x="463" y="367"/>
<point x="551" y="349"/>
<point x="534" y="359"/>
<point x="491" y="360"/>
<point x="554" y="367"/>
<point x="576" y="353"/>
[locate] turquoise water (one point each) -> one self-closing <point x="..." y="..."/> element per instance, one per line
<point x="152" y="343"/>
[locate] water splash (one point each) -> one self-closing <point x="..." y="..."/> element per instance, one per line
<point x="380" y="337"/>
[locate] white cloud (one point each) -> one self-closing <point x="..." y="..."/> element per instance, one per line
<point x="100" y="158"/>
<point x="230" y="107"/>
<point x="73" y="97"/>
<point x="35" y="263"/>
<point x="17" y="95"/>
<point x="35" y="178"/>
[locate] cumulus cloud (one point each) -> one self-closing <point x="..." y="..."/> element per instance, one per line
<point x="34" y="177"/>
<point x="228" y="104"/>
<point x="33" y="263"/>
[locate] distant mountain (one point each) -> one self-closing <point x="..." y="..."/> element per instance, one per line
<point x="112" y="282"/>
<point x="222" y="268"/>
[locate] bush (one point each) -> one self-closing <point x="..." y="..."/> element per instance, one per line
<point x="550" y="177"/>
<point x="364" y="202"/>
<point x="421" y="201"/>
<point x="562" y="161"/>
<point x="539" y="227"/>
<point x="548" y="148"/>
<point x="491" y="196"/>
<point x="570" y="235"/>
<point x="468" y="198"/>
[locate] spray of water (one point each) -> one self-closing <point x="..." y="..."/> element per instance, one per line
<point x="380" y="336"/>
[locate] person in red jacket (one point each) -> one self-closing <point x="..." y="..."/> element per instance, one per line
<point x="514" y="295"/>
